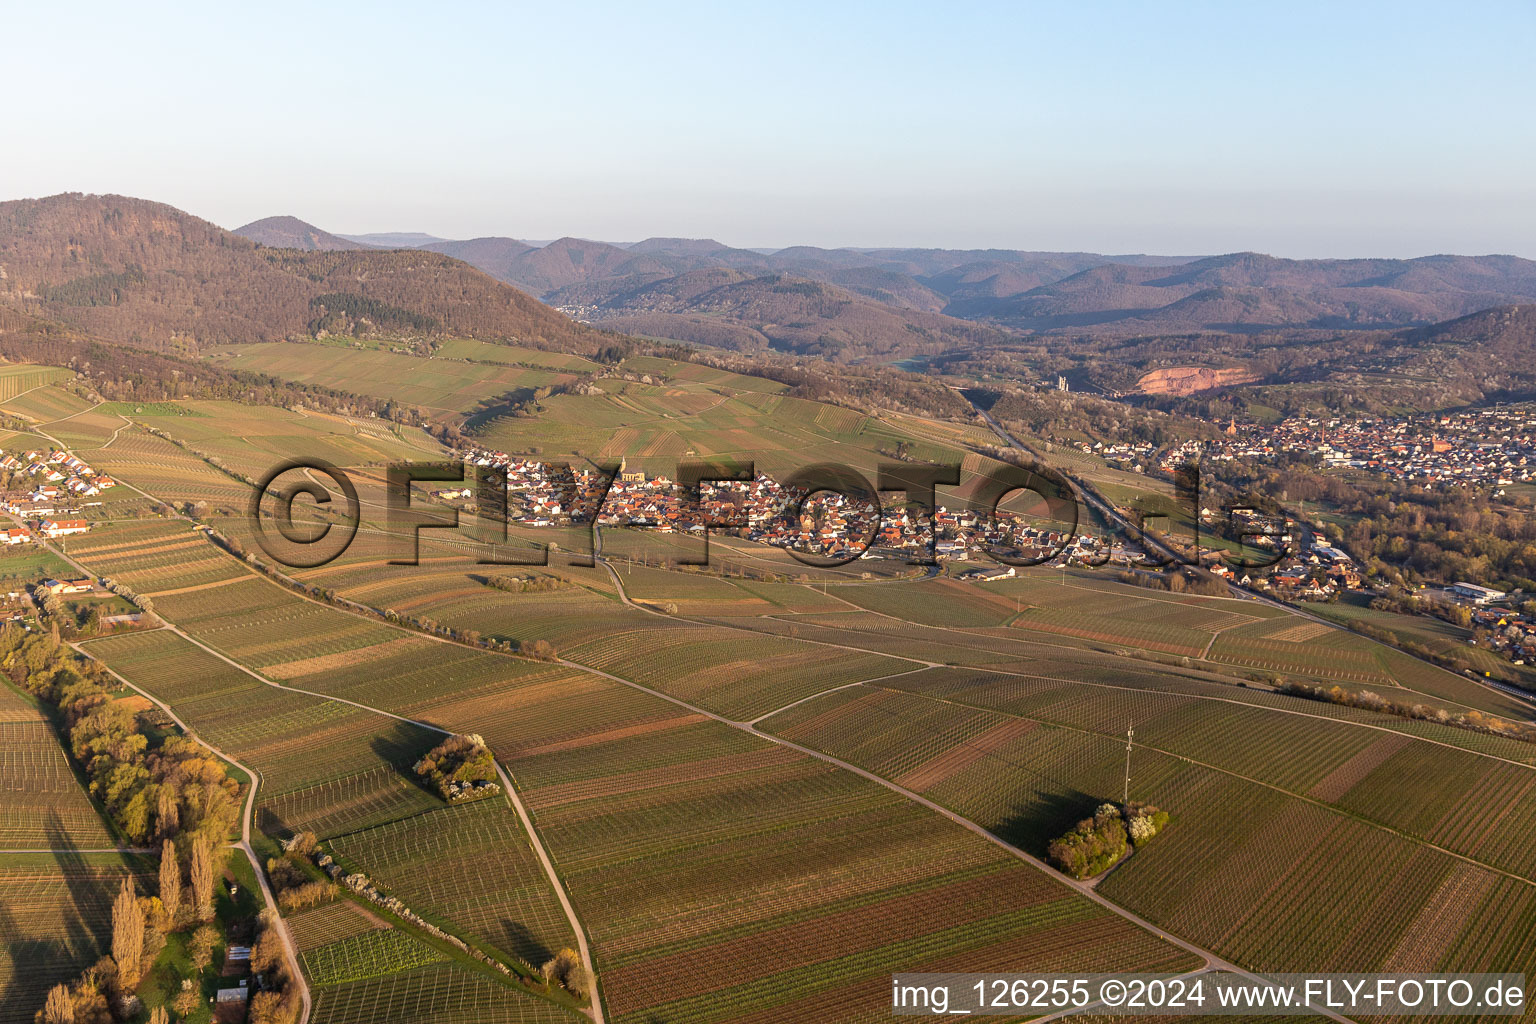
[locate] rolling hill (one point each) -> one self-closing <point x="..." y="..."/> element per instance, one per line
<point x="739" y="310"/>
<point x="143" y="273"/>
<point x="1249" y="291"/>
<point x="1034" y="292"/>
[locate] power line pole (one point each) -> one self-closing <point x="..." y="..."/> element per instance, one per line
<point x="1130" y="733"/>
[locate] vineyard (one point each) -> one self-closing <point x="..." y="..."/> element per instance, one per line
<point x="368" y="955"/>
<point x="721" y="876"/>
<point x="42" y="804"/>
<point x="451" y="865"/>
<point x="1026" y="778"/>
<point x="735" y="674"/>
<point x="443" y="994"/>
<point x="56" y="913"/>
<point x="439" y="385"/>
<point x="331" y="922"/>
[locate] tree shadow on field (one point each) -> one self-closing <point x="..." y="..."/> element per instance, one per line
<point x="85" y="891"/>
<point x="401" y="746"/>
<point x="37" y="964"/>
<point x="525" y="944"/>
<point x="1033" y="825"/>
<point x="40" y="962"/>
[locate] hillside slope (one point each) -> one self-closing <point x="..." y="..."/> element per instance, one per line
<point x="143" y="273"/>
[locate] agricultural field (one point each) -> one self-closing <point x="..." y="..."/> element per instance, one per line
<point x="643" y="819"/>
<point x="36" y="395"/>
<point x="624" y="779"/>
<point x="55" y="919"/>
<point x="733" y="674"/>
<point x="698" y="412"/>
<point x="1027" y="774"/>
<point x="42" y="804"/>
<point x="1435" y="634"/>
<point x="720" y="872"/>
<point x="441" y="386"/>
<point x="438" y="994"/>
<point x="18" y="378"/>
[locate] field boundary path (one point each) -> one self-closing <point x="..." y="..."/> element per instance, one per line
<point x="247" y="814"/>
<point x="1212" y="961"/>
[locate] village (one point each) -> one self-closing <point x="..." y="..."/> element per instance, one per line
<point x="1492" y="448"/>
<point x="48" y="491"/>
<point x="760" y="510"/>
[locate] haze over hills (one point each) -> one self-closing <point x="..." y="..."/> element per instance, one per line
<point x="142" y="273"/>
<point x="1244" y="291"/>
<point x="646" y="287"/>
<point x="392" y="239"/>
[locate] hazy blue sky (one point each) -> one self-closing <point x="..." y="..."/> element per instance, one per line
<point x="1296" y="128"/>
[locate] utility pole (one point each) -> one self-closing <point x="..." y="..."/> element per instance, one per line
<point x="1130" y="733"/>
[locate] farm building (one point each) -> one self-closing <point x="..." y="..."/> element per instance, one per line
<point x="63" y="527"/>
<point x="1476" y="594"/>
<point x="79" y="586"/>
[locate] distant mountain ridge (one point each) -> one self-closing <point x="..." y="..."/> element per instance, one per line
<point x="1247" y="291"/>
<point x="395" y="239"/>
<point x="292" y="233"/>
<point x="1039" y="292"/>
<point x="142" y="273"/>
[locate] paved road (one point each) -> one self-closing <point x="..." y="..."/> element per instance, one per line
<point x="290" y="949"/>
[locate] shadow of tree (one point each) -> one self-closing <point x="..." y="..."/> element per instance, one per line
<point x="525" y="944"/>
<point x="1034" y="823"/>
<point x="38" y="962"/>
<point x="401" y="746"/>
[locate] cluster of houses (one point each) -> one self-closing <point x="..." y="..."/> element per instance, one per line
<point x="1506" y="632"/>
<point x="48" y="490"/>
<point x="761" y="510"/>
<point x="1484" y="447"/>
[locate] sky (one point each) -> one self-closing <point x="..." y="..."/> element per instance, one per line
<point x="1298" y="129"/>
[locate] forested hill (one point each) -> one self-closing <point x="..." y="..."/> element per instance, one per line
<point x="747" y="312"/>
<point x="292" y="233"/>
<point x="143" y="273"/>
